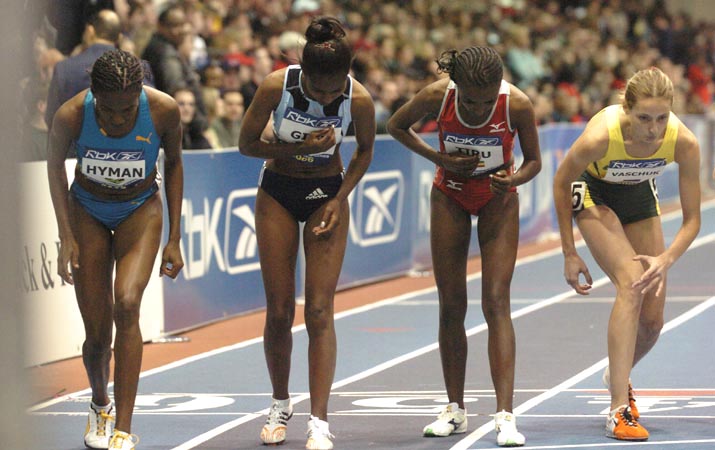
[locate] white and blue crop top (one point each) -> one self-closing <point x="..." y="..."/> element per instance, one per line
<point x="297" y="115"/>
<point x="117" y="163"/>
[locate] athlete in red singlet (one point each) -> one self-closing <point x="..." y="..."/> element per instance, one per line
<point x="478" y="116"/>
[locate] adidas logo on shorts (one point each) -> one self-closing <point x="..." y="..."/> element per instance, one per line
<point x="316" y="194"/>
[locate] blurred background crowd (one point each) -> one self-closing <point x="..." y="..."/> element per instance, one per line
<point x="570" y="57"/>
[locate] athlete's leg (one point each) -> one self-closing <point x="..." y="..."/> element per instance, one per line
<point x="136" y="242"/>
<point x="93" y="288"/>
<point x="277" y="236"/>
<point x="498" y="240"/>
<point x="323" y="262"/>
<point x="613" y="252"/>
<point x="646" y="236"/>
<point x="450" y="231"/>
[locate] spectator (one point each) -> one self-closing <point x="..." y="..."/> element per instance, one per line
<point x="34" y="129"/>
<point x="71" y="76"/>
<point x="70" y="18"/>
<point x="384" y="105"/>
<point x="290" y="44"/>
<point x="262" y="66"/>
<point x="193" y="135"/>
<point x="224" y="130"/>
<point x="172" y="71"/>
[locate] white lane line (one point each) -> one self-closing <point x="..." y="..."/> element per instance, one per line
<point x="380" y="367"/>
<point x="488" y="427"/>
<point x="622" y="444"/>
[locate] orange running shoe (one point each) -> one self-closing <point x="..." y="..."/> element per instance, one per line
<point x="621" y="425"/>
<point x="632" y="402"/>
<point x="606" y="378"/>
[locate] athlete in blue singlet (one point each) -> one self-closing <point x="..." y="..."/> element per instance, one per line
<point x="111" y="220"/>
<point x="312" y="106"/>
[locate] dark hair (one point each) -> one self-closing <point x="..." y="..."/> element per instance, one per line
<point x="481" y="66"/>
<point x="163" y="18"/>
<point x="326" y="50"/>
<point x="116" y="71"/>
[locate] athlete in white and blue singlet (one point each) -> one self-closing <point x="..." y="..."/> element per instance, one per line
<point x="312" y="106"/>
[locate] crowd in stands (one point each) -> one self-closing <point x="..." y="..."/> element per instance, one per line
<point x="570" y="57"/>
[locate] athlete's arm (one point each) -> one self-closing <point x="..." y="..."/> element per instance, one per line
<point x="428" y="101"/>
<point x="257" y="116"/>
<point x="687" y="155"/>
<point x="589" y="147"/>
<point x="523" y="120"/>
<point x="363" y="113"/>
<point x="65" y="129"/>
<point x="168" y="124"/>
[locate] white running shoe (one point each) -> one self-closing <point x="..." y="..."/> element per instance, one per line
<point x="99" y="426"/>
<point x="274" y="431"/>
<point x="452" y="420"/>
<point x="319" y="437"/>
<point x="507" y="435"/>
<point x="123" y="441"/>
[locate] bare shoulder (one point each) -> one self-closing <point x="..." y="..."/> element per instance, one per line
<point x="160" y="101"/>
<point x="360" y="95"/>
<point x="164" y="109"/>
<point x="70" y="115"/>
<point x="592" y="144"/>
<point x="434" y="92"/>
<point x="518" y="100"/>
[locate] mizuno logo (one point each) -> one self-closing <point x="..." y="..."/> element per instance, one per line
<point x="144" y="139"/>
<point x="497" y="127"/>
<point x="454" y="185"/>
<point x="316" y="195"/>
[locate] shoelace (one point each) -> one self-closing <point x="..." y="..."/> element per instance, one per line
<point x="276" y="414"/>
<point x="118" y="441"/>
<point x="627" y="417"/>
<point x="316" y="431"/>
<point x="631" y="394"/>
<point x="102" y="419"/>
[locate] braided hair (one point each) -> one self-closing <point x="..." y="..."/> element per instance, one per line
<point x="326" y="51"/>
<point x="480" y="66"/>
<point x="116" y="71"/>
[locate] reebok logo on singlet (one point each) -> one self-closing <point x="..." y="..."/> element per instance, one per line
<point x="297" y="125"/>
<point x="488" y="148"/>
<point x="633" y="171"/>
<point x="114" y="168"/>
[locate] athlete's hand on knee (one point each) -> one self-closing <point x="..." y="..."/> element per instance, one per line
<point x="573" y="268"/>
<point x="171" y="260"/>
<point x="69" y="255"/>
<point x="459" y="164"/>
<point x="654" y="276"/>
<point x="318" y="141"/>
<point x="500" y="182"/>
